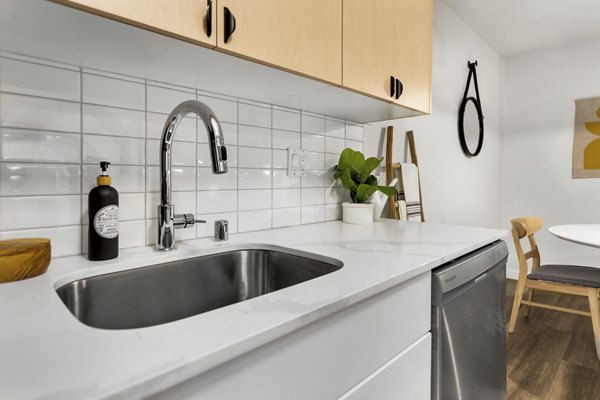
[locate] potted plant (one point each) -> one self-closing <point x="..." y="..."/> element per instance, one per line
<point x="354" y="172"/>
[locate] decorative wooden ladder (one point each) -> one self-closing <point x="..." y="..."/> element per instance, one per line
<point x="391" y="168"/>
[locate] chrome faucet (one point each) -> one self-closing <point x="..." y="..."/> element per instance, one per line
<point x="167" y="219"/>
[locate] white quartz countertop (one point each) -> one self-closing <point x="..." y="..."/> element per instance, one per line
<point x="45" y="353"/>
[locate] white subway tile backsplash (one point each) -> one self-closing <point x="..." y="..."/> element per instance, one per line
<point x="313" y="124"/>
<point x="132" y="234"/>
<point x="254" y="200"/>
<point x="209" y="181"/>
<point x="331" y="160"/>
<point x="254" y="220"/>
<point x="254" y="136"/>
<point x="286" y="217"/>
<point x="313" y="143"/>
<point x="312" y="214"/>
<point x="354" y="132"/>
<point x="280" y="159"/>
<point x="116" y="150"/>
<point x="289" y="121"/>
<point x="39" y="113"/>
<point x="313" y="179"/>
<point x="183" y="153"/>
<point x="186" y="130"/>
<point x="249" y="157"/>
<point x="286" y="139"/>
<point x="65" y="240"/>
<point x="254" y="178"/>
<point x="315" y="160"/>
<point x="281" y="180"/>
<point x="38" y="146"/>
<point x="39" y="212"/>
<point x="113" y="92"/>
<point x="215" y="201"/>
<point x="355" y="145"/>
<point x="126" y="179"/>
<point x="334" y="145"/>
<point x="57" y="122"/>
<point x="286" y="198"/>
<point x="225" y="110"/>
<point x="39" y="179"/>
<point x="112" y="121"/>
<point x="163" y="100"/>
<point x="312" y="196"/>
<point x="334" y="128"/>
<point x="38" y="80"/>
<point x="249" y="114"/>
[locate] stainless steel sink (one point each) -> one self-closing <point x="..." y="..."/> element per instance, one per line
<point x="168" y="292"/>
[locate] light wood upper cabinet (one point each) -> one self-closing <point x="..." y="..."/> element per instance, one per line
<point x="412" y="52"/>
<point x="368" y="62"/>
<point x="189" y="20"/>
<point x="384" y="39"/>
<point x="302" y="36"/>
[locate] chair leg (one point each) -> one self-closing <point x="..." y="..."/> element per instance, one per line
<point x="530" y="298"/>
<point x="595" y="311"/>
<point x="516" y="305"/>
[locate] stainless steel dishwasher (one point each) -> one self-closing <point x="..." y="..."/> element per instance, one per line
<point x="468" y="325"/>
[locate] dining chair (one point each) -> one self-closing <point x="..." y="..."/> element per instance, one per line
<point x="562" y="279"/>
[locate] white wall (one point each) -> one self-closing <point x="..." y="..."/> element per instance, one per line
<point x="456" y="189"/>
<point x="538" y="117"/>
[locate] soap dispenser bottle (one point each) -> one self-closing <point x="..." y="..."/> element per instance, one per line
<point x="103" y="207"/>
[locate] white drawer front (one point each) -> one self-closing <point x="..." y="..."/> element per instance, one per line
<point x="406" y="376"/>
<point x="325" y="359"/>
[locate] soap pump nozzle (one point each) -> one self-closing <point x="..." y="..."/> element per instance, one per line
<point x="103" y="178"/>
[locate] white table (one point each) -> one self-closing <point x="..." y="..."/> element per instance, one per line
<point x="587" y="234"/>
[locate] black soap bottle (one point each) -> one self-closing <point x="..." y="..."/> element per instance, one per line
<point x="103" y="207"/>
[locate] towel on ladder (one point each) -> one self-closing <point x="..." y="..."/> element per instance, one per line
<point x="409" y="192"/>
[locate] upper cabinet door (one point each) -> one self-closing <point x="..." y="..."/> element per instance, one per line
<point x="368" y="59"/>
<point x="189" y="20"/>
<point x="302" y="36"/>
<point x="412" y="52"/>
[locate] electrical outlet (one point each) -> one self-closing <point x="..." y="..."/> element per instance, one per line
<point x="296" y="162"/>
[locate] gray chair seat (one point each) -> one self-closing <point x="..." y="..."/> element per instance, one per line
<point x="573" y="274"/>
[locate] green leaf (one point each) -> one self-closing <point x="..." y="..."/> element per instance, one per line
<point x="347" y="180"/>
<point x="387" y="190"/>
<point x="370" y="164"/>
<point x="363" y="192"/>
<point x="371" y="180"/>
<point x="353" y="160"/>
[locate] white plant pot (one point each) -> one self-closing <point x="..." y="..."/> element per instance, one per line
<point x="354" y="213"/>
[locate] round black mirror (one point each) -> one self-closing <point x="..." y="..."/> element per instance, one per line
<point x="470" y="126"/>
<point x="470" y="117"/>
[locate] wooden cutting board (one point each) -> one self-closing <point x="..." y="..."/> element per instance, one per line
<point x="23" y="258"/>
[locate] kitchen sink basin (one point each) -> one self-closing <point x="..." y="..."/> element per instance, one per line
<point x="167" y="292"/>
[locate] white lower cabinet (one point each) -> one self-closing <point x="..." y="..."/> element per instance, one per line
<point x="356" y="352"/>
<point x="406" y="376"/>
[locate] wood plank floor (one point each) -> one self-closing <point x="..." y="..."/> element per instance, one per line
<point x="551" y="355"/>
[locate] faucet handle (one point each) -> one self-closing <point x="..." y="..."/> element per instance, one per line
<point x="186" y="220"/>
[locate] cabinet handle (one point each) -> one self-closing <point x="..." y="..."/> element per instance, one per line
<point x="392" y="86"/>
<point x="208" y="18"/>
<point x="399" y="88"/>
<point x="229" y="24"/>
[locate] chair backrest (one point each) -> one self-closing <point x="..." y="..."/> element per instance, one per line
<point x="526" y="227"/>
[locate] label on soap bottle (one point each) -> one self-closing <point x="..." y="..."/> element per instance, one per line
<point x="106" y="222"/>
